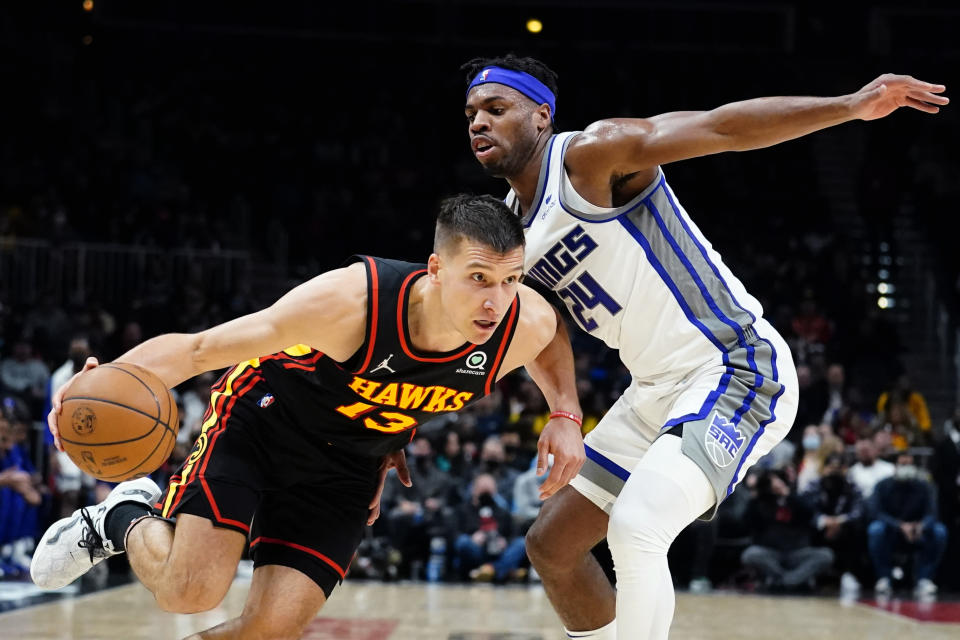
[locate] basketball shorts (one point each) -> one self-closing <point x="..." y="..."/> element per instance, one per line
<point x="301" y="501"/>
<point x="731" y="414"/>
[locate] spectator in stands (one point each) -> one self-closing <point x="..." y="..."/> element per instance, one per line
<point x="68" y="480"/>
<point x="25" y="376"/>
<point x="779" y="522"/>
<point x="946" y="470"/>
<point x="415" y="514"/>
<point x="837" y="517"/>
<point x="526" y="495"/>
<point x="454" y="459"/>
<point x="487" y="547"/>
<point x="818" y="442"/>
<point x="903" y="514"/>
<point x="869" y="469"/>
<point x="836" y="392"/>
<point x="493" y="462"/>
<point x="902" y="391"/>
<point x="19" y="493"/>
<point x="900" y="424"/>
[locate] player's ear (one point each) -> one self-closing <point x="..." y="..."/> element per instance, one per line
<point x="433" y="266"/>
<point x="541" y="117"/>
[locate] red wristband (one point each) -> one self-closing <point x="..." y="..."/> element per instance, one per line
<point x="569" y="416"/>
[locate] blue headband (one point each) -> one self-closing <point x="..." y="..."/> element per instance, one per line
<point x="522" y="82"/>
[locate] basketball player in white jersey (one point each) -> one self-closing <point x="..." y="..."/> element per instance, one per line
<point x="710" y="375"/>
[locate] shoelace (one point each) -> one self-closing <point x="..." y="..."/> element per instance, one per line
<point x="92" y="541"/>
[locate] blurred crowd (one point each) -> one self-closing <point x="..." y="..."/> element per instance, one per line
<point x="242" y="152"/>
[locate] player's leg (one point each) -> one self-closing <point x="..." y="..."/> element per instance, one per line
<point x="728" y="423"/>
<point x="303" y="537"/>
<point x="281" y="603"/>
<point x="188" y="568"/>
<point x="665" y="492"/>
<point x="576" y="518"/>
<point x="559" y="542"/>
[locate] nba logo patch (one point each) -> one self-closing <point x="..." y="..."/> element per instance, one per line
<point x="723" y="440"/>
<point x="484" y="74"/>
<point x="266" y="401"/>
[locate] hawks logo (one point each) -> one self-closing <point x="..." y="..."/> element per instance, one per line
<point x="198" y="448"/>
<point x="84" y="421"/>
<point x="723" y="440"/>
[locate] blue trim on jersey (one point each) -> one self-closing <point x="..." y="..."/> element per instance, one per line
<point x="593" y="220"/>
<point x="763" y="425"/>
<point x="756" y="438"/>
<point x="634" y="231"/>
<point x="773" y="361"/>
<point x="542" y="187"/>
<point x="662" y="225"/>
<point x="708" y="404"/>
<point x="703" y="251"/>
<point x="606" y="463"/>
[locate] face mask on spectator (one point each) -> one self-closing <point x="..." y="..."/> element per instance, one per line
<point x="906" y="472"/>
<point x="811" y="442"/>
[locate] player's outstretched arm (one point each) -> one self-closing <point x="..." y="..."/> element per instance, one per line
<point x="542" y="345"/>
<point x="327" y="313"/>
<point x="623" y="146"/>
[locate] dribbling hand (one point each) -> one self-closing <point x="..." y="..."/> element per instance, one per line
<point x="57" y="402"/>
<point x="890" y="91"/>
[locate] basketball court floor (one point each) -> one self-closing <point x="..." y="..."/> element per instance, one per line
<point x="416" y="611"/>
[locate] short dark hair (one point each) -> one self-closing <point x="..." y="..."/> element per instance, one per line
<point x="534" y="67"/>
<point x="483" y="219"/>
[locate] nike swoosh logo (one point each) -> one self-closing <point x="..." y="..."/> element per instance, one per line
<point x="56" y="536"/>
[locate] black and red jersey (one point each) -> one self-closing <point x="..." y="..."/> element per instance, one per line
<point x="372" y="403"/>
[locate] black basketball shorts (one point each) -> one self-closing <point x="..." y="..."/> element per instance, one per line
<point x="301" y="502"/>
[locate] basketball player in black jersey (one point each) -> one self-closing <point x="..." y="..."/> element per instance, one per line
<point x="295" y="444"/>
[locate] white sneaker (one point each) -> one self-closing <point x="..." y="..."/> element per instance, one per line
<point x="72" y="546"/>
<point x="883" y="586"/>
<point x="925" y="588"/>
<point x="849" y="583"/>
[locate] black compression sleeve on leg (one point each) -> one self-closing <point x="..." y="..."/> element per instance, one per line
<point x="119" y="519"/>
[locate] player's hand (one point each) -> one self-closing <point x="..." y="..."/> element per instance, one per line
<point x="889" y="92"/>
<point x="396" y="460"/>
<point x="562" y="438"/>
<point x="57" y="402"/>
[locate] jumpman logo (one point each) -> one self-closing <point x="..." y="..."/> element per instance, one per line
<point x="384" y="365"/>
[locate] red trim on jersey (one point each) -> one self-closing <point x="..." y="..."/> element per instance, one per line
<point x="241" y="390"/>
<point x="507" y="335"/>
<point x="374" y="312"/>
<point x="400" y="327"/>
<point x="300" y="547"/>
<point x="224" y="406"/>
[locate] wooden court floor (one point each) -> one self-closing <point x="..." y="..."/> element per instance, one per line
<point x="373" y="611"/>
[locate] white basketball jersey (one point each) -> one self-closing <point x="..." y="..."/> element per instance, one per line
<point x="640" y="277"/>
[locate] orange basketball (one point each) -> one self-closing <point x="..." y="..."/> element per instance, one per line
<point x="119" y="421"/>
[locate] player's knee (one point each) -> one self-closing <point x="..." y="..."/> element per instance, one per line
<point x="546" y="551"/>
<point x="638" y="522"/>
<point x="190" y="592"/>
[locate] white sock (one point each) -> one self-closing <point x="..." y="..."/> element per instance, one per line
<point x="665" y="492"/>
<point x="607" y="632"/>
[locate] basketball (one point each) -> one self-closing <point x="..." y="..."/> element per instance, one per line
<point x="119" y="421"/>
